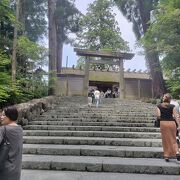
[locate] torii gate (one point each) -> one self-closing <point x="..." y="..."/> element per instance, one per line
<point x="104" y="54"/>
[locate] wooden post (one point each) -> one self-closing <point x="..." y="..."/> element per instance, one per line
<point x="121" y="79"/>
<point x="139" y="89"/>
<point x="86" y="77"/>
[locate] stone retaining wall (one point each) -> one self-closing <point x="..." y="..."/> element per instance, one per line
<point x="34" y="108"/>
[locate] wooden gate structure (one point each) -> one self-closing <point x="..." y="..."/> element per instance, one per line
<point x="109" y="58"/>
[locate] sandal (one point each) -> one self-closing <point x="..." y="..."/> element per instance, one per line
<point x="178" y="157"/>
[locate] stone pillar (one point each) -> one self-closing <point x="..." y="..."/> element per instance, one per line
<point x="86" y="77"/>
<point x="139" y="89"/>
<point x="121" y="79"/>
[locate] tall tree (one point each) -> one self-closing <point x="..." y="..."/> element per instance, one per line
<point x="139" y="13"/>
<point x="100" y="29"/>
<point x="52" y="46"/>
<point x="33" y="18"/>
<point x="163" y="36"/>
<point x="67" y="20"/>
<point x="14" y="54"/>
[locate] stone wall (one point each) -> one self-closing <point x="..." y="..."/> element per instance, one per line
<point x="34" y="108"/>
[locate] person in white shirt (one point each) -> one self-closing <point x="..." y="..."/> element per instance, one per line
<point x="176" y="104"/>
<point x="97" y="97"/>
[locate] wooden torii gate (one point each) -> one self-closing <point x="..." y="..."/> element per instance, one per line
<point x="107" y="55"/>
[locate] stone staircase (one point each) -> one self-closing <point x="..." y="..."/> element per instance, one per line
<point x="117" y="137"/>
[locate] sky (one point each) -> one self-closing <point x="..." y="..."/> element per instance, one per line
<point x="138" y="62"/>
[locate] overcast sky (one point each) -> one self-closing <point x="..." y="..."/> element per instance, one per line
<point x="138" y="62"/>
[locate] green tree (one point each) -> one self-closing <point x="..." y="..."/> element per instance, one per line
<point x="31" y="27"/>
<point x="33" y="19"/>
<point x="5" y="78"/>
<point x="67" y="21"/>
<point x="100" y="29"/>
<point x="63" y="20"/>
<point x="163" y="36"/>
<point x="139" y="13"/>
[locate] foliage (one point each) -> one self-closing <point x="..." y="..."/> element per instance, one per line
<point x="34" y="19"/>
<point x="6" y="11"/>
<point x="163" y="36"/>
<point x="30" y="55"/>
<point x="30" y="50"/>
<point x="174" y="88"/>
<point x="5" y="78"/>
<point x="66" y="18"/>
<point x="100" y="29"/>
<point x="139" y="12"/>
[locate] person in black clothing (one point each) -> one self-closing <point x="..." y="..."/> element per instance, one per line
<point x="168" y="117"/>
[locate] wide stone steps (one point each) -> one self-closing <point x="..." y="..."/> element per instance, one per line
<point x="109" y="134"/>
<point x="117" y="137"/>
<point x="85" y="150"/>
<point x="101" y="164"/>
<point x="100" y="114"/>
<point x="92" y="128"/>
<point x="106" y="119"/>
<point x="80" y="123"/>
<point x="92" y="141"/>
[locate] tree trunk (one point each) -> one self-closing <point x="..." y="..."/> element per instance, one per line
<point x="14" y="58"/>
<point x="52" y="47"/>
<point x="59" y="54"/>
<point x="156" y="74"/>
<point x="152" y="57"/>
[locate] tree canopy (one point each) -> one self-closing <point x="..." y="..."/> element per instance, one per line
<point x="31" y="27"/>
<point x="99" y="29"/>
<point x="163" y="36"/>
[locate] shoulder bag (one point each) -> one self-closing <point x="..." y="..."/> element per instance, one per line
<point x="4" y="150"/>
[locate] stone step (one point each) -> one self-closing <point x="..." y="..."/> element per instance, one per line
<point x="120" y="108"/>
<point x="74" y="175"/>
<point x="85" y="150"/>
<point x="96" y="120"/>
<point x="101" y="164"/>
<point x="92" y="128"/>
<point x="91" y="123"/>
<point x="92" y="141"/>
<point x="109" y="134"/>
<point x="131" y="119"/>
<point x="137" y="114"/>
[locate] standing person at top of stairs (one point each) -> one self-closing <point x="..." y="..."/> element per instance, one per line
<point x="90" y="98"/>
<point x="97" y="97"/>
<point x="166" y="112"/>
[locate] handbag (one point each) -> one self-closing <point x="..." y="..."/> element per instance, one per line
<point x="4" y="150"/>
<point x="157" y="123"/>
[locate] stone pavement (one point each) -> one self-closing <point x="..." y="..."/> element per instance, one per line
<point x="117" y="137"/>
<point x="71" y="175"/>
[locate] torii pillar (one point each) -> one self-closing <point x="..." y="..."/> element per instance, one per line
<point x="86" y="76"/>
<point x="121" y="80"/>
